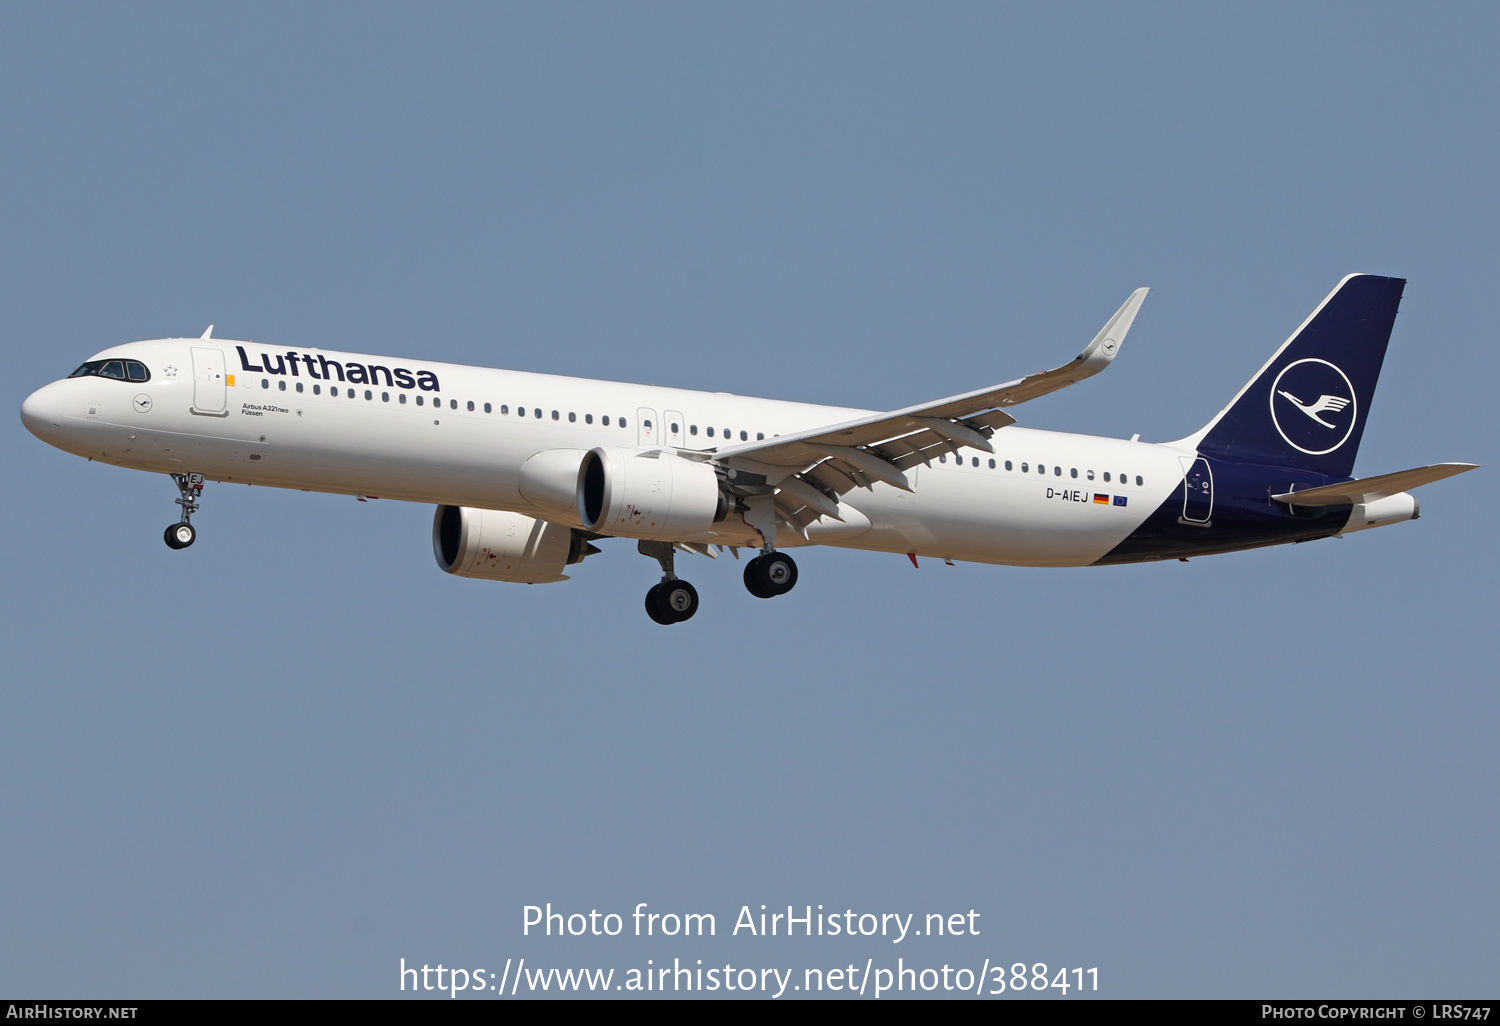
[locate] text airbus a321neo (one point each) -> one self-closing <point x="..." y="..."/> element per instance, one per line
<point x="527" y="470"/>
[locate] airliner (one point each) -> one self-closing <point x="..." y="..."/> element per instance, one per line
<point x="527" y="471"/>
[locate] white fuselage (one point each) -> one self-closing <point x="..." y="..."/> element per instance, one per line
<point x="456" y="435"/>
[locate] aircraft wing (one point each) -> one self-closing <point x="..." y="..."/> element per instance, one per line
<point x="1352" y="493"/>
<point x="812" y="468"/>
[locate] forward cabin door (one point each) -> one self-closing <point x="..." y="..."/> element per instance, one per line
<point x="209" y="394"/>
<point x="1198" y="492"/>
<point x="646" y="427"/>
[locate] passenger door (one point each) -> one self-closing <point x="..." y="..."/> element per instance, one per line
<point x="1198" y="492"/>
<point x="647" y="429"/>
<point x="209" y="394"/>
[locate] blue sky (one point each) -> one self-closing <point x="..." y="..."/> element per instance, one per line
<point x="277" y="763"/>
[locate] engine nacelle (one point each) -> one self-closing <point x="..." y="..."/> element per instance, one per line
<point x="499" y="546"/>
<point x="649" y="494"/>
<point x="549" y="479"/>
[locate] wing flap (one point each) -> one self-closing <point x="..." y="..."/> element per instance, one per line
<point x="880" y="446"/>
<point x="971" y="413"/>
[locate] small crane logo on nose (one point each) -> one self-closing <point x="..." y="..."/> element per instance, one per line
<point x="142" y="403"/>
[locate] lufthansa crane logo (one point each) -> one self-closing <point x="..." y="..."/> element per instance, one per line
<point x="1313" y="406"/>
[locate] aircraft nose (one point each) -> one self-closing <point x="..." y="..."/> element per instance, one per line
<point x="42" y="412"/>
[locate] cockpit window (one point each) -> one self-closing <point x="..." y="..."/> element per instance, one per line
<point x="120" y="370"/>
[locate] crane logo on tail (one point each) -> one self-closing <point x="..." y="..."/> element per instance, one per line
<point x="1327" y="402"/>
<point x="1325" y="422"/>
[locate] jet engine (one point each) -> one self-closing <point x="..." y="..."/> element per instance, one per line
<point x="650" y="494"/>
<point x="500" y="546"/>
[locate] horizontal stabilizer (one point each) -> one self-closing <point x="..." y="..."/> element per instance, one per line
<point x="1352" y="493"/>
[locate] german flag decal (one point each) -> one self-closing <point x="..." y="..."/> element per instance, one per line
<point x="1102" y="500"/>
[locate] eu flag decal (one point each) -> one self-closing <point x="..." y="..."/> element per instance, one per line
<point x="1119" y="500"/>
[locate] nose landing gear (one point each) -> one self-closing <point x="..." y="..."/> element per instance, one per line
<point x="181" y="534"/>
<point x="770" y="574"/>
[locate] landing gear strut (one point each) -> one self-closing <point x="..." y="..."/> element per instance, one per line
<point x="770" y="574"/>
<point x="673" y="600"/>
<point x="181" y="534"/>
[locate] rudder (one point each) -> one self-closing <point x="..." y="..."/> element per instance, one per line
<point x="1306" y="408"/>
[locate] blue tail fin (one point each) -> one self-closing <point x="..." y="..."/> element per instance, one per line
<point x="1306" y="408"/>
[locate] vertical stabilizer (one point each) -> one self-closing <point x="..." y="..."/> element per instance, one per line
<point x="1306" y="408"/>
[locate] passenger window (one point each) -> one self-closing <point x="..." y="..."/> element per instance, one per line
<point x="471" y="406"/>
<point x="572" y="417"/>
<point x="992" y="464"/>
<point x="1074" y="472"/>
<point x="942" y="459"/>
<point x="281" y="385"/>
<point x="265" y="383"/>
<point x="728" y="433"/>
<point x="487" y="408"/>
<point x="400" y="396"/>
<point x="419" y="400"/>
<point x="604" y="420"/>
<point x="1057" y="472"/>
<point x="1124" y="479"/>
<point x="504" y="409"/>
<point x="622" y="421"/>
<point x="1090" y="475"/>
<point x="555" y="416"/>
<point x="693" y="429"/>
<point x="1106" y="477"/>
<point x="1008" y="466"/>
<point x="1024" y="468"/>
<point x="710" y="432"/>
<point x="369" y="394"/>
<point x="536" y="413"/>
<point x="588" y="418"/>
<point x="299" y="386"/>
<point x="318" y="390"/>
<point x="385" y="397"/>
<point x="976" y="461"/>
<point x="744" y="436"/>
<point x="759" y="437"/>
<point x="1138" y="480"/>
<point x="647" y="423"/>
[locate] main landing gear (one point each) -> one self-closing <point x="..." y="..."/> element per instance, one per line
<point x="673" y="600"/>
<point x="181" y="534"/>
<point x="770" y="574"/>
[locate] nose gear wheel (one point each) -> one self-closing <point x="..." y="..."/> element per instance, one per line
<point x="190" y="490"/>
